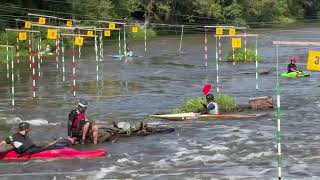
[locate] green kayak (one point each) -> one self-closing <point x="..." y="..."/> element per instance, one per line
<point x="294" y="75"/>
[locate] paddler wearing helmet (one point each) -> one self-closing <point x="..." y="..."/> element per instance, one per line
<point x="292" y="66"/>
<point x="79" y="127"/>
<point x="22" y="144"/>
<point x="20" y="140"/>
<point x="211" y="107"/>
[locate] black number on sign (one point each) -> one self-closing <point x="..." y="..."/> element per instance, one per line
<point x="317" y="59"/>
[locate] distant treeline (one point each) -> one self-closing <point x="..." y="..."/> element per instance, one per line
<point x="237" y="12"/>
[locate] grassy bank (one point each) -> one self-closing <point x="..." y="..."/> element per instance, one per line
<point x="226" y="103"/>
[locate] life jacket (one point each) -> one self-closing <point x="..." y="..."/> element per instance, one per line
<point x="77" y="119"/>
<point x="291" y="66"/>
<point x="215" y="110"/>
<point x="22" y="144"/>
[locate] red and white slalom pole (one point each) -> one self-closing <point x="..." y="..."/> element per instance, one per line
<point x="30" y="50"/>
<point x="18" y="53"/>
<point x="33" y="75"/>
<point x="73" y="72"/>
<point x="205" y="47"/>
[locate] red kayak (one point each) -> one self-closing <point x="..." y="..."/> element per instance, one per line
<point x="63" y="153"/>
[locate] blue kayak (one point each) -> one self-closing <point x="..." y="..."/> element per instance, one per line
<point x="118" y="56"/>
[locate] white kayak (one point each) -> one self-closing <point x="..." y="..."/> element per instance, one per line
<point x="188" y="116"/>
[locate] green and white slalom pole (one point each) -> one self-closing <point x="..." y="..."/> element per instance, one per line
<point x="119" y="41"/>
<point x="279" y="155"/>
<point x="7" y="56"/>
<point x="257" y="75"/>
<point x="96" y="46"/>
<point x="12" y="78"/>
<point x="180" y="47"/>
<point x="245" y="44"/>
<point x="124" y="40"/>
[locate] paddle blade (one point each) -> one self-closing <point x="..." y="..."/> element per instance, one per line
<point x="206" y="89"/>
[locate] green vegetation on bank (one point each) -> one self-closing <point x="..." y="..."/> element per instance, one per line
<point x="236" y="12"/>
<point x="243" y="55"/>
<point x="226" y="103"/>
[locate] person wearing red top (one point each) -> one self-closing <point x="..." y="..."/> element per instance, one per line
<point x="79" y="127"/>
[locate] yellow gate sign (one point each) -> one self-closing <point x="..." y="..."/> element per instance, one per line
<point x="134" y="29"/>
<point x="232" y="32"/>
<point x="313" y="63"/>
<point x="22" y="36"/>
<point x="236" y="42"/>
<point x="42" y="20"/>
<point x="27" y="24"/>
<point x="69" y="23"/>
<point x="112" y="26"/>
<point x="107" y="33"/>
<point x="219" y="31"/>
<point x="78" y="41"/>
<point x="90" y="33"/>
<point x="52" y="34"/>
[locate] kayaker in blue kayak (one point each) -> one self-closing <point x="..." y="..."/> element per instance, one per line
<point x="292" y="66"/>
<point x="79" y="127"/>
<point x="211" y="107"/>
<point x="22" y="144"/>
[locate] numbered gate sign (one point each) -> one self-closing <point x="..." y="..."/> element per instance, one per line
<point x="134" y="29"/>
<point x="22" y="36"/>
<point x="52" y="34"/>
<point x="42" y="20"/>
<point x="313" y="63"/>
<point x="219" y="31"/>
<point x="112" y="26"/>
<point x="78" y="41"/>
<point x="90" y="33"/>
<point x="236" y="42"/>
<point x="107" y="33"/>
<point x="232" y="32"/>
<point x="27" y="24"/>
<point x="69" y="23"/>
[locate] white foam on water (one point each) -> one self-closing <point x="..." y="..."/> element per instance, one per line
<point x="105" y="171"/>
<point x="250" y="142"/>
<point x="257" y="155"/>
<point x="34" y="122"/>
<point x="214" y="147"/>
<point x="127" y="161"/>
<point x="163" y="163"/>
<point x="196" y="158"/>
<point x="185" y="151"/>
<point x="13" y="120"/>
<point x="192" y="142"/>
<point x="300" y="167"/>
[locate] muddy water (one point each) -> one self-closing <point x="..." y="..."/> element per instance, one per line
<point x="160" y="80"/>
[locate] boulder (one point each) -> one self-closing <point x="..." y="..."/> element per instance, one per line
<point x="264" y="102"/>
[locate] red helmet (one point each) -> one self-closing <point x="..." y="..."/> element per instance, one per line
<point x="292" y="59"/>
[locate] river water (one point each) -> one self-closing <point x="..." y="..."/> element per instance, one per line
<point x="160" y="80"/>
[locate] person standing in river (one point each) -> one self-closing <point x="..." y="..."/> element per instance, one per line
<point x="79" y="127"/>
